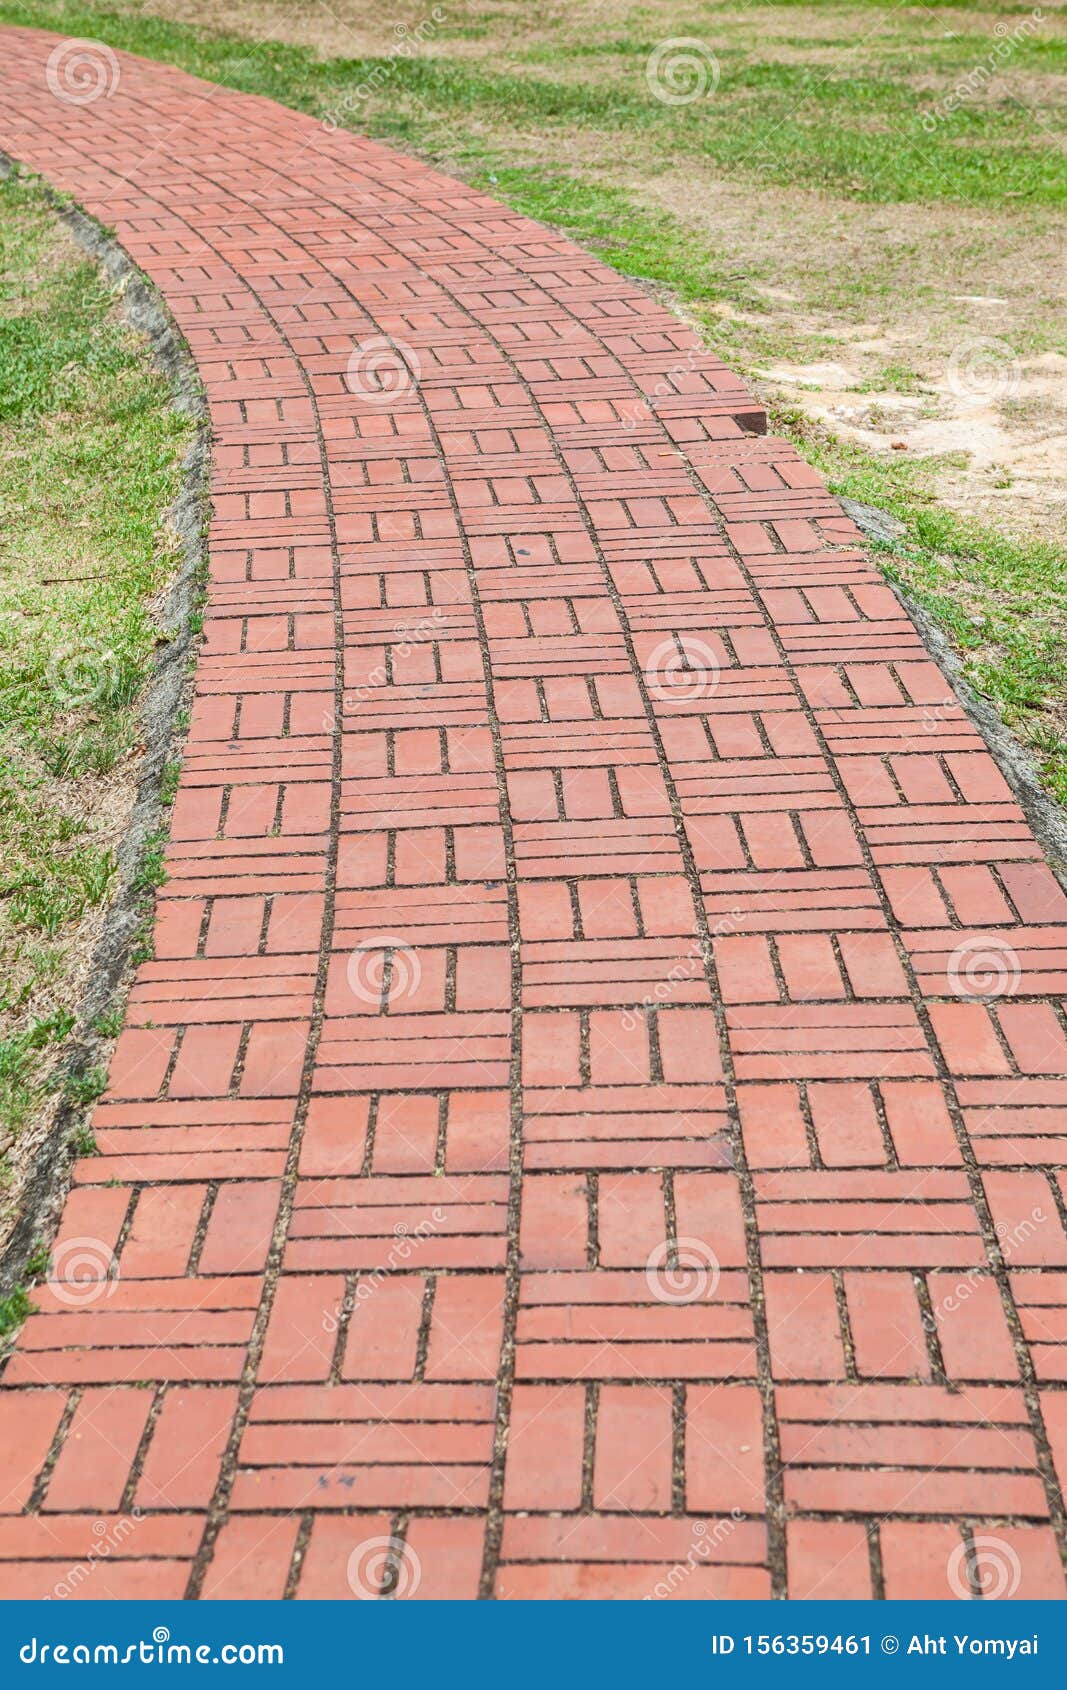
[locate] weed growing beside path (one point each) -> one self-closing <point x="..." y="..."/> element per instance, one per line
<point x="90" y="455"/>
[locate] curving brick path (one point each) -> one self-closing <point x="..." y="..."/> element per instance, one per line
<point x="564" y="1144"/>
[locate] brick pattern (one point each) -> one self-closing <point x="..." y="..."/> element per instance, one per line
<point x="593" y="1124"/>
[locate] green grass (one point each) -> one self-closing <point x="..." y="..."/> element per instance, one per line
<point x="90" y="450"/>
<point x="16" y="1307"/>
<point x="1002" y="602"/>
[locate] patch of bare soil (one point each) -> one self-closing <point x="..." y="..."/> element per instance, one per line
<point x="904" y="327"/>
<point x="1009" y="465"/>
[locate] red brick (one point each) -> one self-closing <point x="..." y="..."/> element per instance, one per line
<point x="239" y="1230"/>
<point x="96" y="1216"/>
<point x="251" y="1559"/>
<point x="1035" y="891"/>
<point x="338" y="1546"/>
<point x="1026" y="1220"/>
<point x="773" y="1126"/>
<point x="872" y="965"/>
<point x="1030" y="1550"/>
<point x="828" y="1560"/>
<point x="972" y="1328"/>
<point x="708" y="1210"/>
<point x="274" y="1060"/>
<point x="724" y="1449"/>
<point x="164" y="1226"/>
<point x="188" y="1443"/>
<point x="916" y="1559"/>
<point x="96" y="1459"/>
<point x="302" y="1333"/>
<point x="919" y="1124"/>
<point x="810" y="967"/>
<point x="746" y="973"/>
<point x="1054" y="1414"/>
<point x="803" y="1325"/>
<point x="467" y="1327"/>
<point x="634" y="1449"/>
<point x="846" y="1126"/>
<point x="632" y="1218"/>
<point x="405" y="1135"/>
<point x="139" y="1062"/>
<point x="383" y="1328"/>
<point x="550" y="1046"/>
<point x="442" y="1561"/>
<point x="555" y="1221"/>
<point x="545" y="1445"/>
<point x="976" y="897"/>
<point x="619" y="1049"/>
<point x="689" y="1046"/>
<point x="205" y="1062"/>
<point x="887" y="1325"/>
<point x="335" y="1135"/>
<point x="234" y="927"/>
<point x="28" y="1423"/>
<point x="479" y="1129"/>
<point x="1036" y="1037"/>
<point x="967" y="1038"/>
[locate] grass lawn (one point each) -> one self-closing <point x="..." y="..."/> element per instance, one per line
<point x="90" y="453"/>
<point x="860" y="205"/>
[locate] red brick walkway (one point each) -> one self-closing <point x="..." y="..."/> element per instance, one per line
<point x="593" y="1124"/>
